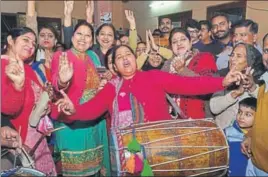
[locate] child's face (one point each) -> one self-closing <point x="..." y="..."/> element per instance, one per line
<point x="245" y="116"/>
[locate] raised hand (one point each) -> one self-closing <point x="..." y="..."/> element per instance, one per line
<point x="148" y="45"/>
<point x="153" y="45"/>
<point x="238" y="92"/>
<point x="68" y="8"/>
<point x="15" y="72"/>
<point x="131" y="19"/>
<point x="65" y="69"/>
<point x="232" y="77"/>
<point x="248" y="82"/>
<point x="65" y="105"/>
<point x="90" y="11"/>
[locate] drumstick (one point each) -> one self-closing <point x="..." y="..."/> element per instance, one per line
<point x="16" y="153"/>
<point x="20" y="137"/>
<point x="31" y="153"/>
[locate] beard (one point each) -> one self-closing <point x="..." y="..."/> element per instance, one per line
<point x="165" y="30"/>
<point x="225" y="35"/>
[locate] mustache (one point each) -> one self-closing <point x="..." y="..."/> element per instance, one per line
<point x="221" y="32"/>
<point x="166" y="28"/>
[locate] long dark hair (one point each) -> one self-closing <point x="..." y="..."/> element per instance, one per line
<point x="15" y="33"/>
<point x="115" y="50"/>
<point x="104" y="25"/>
<point x="178" y="30"/>
<point x="106" y="59"/>
<point x="85" y="23"/>
<point x="52" y="29"/>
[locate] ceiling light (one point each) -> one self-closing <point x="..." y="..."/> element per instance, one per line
<point x="158" y="4"/>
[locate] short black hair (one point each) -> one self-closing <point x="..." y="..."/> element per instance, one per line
<point x="122" y="35"/>
<point x="178" y="30"/>
<point x="250" y="102"/>
<point x="117" y="47"/>
<point x="192" y="23"/>
<point x="264" y="38"/>
<point x="163" y="18"/>
<point x="254" y="27"/>
<point x="220" y="14"/>
<point x="206" y="23"/>
<point x="157" y="32"/>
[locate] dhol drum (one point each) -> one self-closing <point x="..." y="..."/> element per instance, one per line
<point x="10" y="160"/>
<point x="21" y="171"/>
<point x="174" y="148"/>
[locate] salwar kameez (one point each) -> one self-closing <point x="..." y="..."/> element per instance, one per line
<point x="82" y="147"/>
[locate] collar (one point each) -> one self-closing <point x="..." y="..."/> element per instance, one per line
<point x="236" y="126"/>
<point x="264" y="77"/>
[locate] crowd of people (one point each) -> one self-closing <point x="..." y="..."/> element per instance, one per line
<point x="77" y="90"/>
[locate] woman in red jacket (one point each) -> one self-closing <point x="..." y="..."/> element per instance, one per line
<point x="140" y="96"/>
<point x="189" y="62"/>
<point x="20" y="92"/>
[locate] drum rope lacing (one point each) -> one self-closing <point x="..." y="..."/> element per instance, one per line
<point x="213" y="169"/>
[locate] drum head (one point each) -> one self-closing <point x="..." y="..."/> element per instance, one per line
<point x="22" y="172"/>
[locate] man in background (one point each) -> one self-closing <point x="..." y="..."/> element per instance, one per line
<point x="246" y="31"/>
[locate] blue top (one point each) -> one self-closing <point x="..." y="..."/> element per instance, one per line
<point x="238" y="161"/>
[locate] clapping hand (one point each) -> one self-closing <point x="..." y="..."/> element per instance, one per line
<point x="152" y="42"/>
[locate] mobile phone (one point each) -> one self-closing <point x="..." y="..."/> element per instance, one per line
<point x="101" y="70"/>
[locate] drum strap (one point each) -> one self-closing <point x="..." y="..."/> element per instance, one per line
<point x="176" y="107"/>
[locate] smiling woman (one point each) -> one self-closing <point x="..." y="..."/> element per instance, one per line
<point x="75" y="72"/>
<point x="18" y="83"/>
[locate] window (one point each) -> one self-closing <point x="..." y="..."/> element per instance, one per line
<point x="235" y="10"/>
<point x="8" y="21"/>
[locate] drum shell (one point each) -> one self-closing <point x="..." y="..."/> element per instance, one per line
<point x="22" y="160"/>
<point x="174" y="148"/>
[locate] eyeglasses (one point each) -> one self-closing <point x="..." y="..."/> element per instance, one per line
<point x="265" y="51"/>
<point x="193" y="32"/>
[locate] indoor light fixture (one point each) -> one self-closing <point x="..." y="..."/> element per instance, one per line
<point x="157" y="4"/>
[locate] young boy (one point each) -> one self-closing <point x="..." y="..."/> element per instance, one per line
<point x="235" y="135"/>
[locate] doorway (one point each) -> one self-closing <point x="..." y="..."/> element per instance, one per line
<point x="178" y="19"/>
